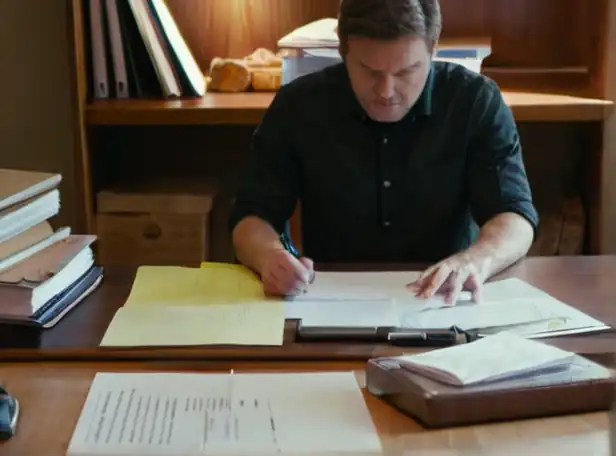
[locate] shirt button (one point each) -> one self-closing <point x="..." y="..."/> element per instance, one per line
<point x="387" y="184"/>
<point x="386" y="223"/>
<point x="385" y="140"/>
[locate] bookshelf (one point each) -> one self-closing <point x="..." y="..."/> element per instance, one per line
<point x="548" y="57"/>
<point x="247" y="109"/>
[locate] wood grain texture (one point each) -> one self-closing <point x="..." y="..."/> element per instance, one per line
<point x="248" y="109"/>
<point x="85" y="217"/>
<point x="52" y="396"/>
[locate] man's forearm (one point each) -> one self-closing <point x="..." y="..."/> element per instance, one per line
<point x="253" y="239"/>
<point x="502" y="241"/>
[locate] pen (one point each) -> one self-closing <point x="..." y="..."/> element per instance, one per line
<point x="289" y="247"/>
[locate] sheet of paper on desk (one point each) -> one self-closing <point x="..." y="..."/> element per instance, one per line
<point x="184" y="286"/>
<point x="346" y="314"/>
<point x="479" y="316"/>
<point x="356" y="286"/>
<point x="186" y="414"/>
<point x="570" y="321"/>
<point x="253" y="323"/>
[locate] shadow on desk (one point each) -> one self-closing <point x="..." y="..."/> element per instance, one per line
<point x="583" y="282"/>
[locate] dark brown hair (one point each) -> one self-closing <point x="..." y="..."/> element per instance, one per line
<point x="389" y="19"/>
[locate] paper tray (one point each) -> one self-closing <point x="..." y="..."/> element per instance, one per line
<point x="584" y="387"/>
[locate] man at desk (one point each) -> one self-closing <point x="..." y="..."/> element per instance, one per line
<point x="393" y="157"/>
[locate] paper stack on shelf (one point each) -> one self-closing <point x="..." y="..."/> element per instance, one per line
<point x="43" y="273"/>
<point x="314" y="46"/>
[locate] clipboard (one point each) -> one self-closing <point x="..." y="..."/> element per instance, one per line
<point x="406" y="337"/>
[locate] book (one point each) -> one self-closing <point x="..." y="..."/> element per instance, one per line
<point x="494" y="358"/>
<point x="18" y="185"/>
<point x="31" y="283"/>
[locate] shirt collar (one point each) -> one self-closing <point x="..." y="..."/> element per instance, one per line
<point x="421" y="108"/>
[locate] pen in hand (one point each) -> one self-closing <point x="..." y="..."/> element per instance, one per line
<point x="289" y="247"/>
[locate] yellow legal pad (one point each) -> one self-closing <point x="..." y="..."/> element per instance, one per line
<point x="255" y="323"/>
<point x="217" y="283"/>
<point x="220" y="304"/>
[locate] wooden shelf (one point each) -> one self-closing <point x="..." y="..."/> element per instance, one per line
<point x="248" y="108"/>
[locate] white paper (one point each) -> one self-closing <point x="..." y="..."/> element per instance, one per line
<point x="345" y="314"/>
<point x="489" y="359"/>
<point x="222" y="414"/>
<point x="359" y="286"/>
<point x="482" y="315"/>
<point x="570" y="321"/>
<point x="370" y="299"/>
<point x="319" y="33"/>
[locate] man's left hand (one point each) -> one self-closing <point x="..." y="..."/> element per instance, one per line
<point x="460" y="272"/>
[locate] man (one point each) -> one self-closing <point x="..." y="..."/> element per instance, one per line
<point x="393" y="157"/>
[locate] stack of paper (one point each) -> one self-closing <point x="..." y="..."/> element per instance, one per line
<point x="222" y="414"/>
<point x="180" y="306"/>
<point x="493" y="358"/>
<point x="318" y="34"/>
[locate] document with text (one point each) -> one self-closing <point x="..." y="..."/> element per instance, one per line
<point x="188" y="414"/>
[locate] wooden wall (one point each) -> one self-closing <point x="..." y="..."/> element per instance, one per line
<point x="536" y="43"/>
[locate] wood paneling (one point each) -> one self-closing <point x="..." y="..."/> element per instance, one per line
<point x="525" y="33"/>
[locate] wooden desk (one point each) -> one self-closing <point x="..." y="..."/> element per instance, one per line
<point x="584" y="282"/>
<point x="51" y="396"/>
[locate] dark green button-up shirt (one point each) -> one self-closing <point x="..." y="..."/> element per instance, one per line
<point x="411" y="191"/>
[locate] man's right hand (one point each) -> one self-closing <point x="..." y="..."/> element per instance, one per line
<point x="284" y="275"/>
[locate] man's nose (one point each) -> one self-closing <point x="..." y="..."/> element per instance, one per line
<point x="385" y="87"/>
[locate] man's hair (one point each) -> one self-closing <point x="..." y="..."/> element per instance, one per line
<point x="390" y="19"/>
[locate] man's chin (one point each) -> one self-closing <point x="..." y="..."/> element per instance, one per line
<point x="393" y="114"/>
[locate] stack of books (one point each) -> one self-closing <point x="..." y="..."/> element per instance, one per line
<point x="43" y="273"/>
<point x="137" y="51"/>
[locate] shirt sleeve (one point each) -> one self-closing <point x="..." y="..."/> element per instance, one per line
<point x="497" y="175"/>
<point x="269" y="182"/>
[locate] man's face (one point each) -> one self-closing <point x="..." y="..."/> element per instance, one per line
<point x="387" y="76"/>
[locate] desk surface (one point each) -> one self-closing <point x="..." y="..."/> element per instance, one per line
<point x="51" y="396"/>
<point x="584" y="282"/>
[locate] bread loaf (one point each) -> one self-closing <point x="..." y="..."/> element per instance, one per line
<point x="229" y="75"/>
<point x="266" y="79"/>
